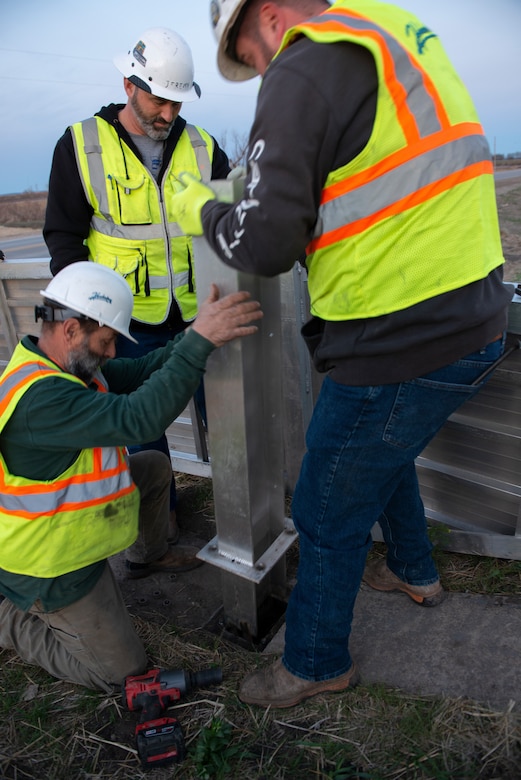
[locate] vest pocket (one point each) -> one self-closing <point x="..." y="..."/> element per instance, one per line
<point x="131" y="264"/>
<point x="133" y="199"/>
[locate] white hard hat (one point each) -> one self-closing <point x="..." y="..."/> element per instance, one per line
<point x="96" y="292"/>
<point x="223" y="15"/>
<point x="161" y="63"/>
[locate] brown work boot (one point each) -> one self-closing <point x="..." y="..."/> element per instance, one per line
<point x="176" y="559"/>
<point x="379" y="576"/>
<point x="276" y="687"/>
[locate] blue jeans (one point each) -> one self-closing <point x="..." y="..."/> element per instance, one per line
<point x="148" y="341"/>
<point x="358" y="470"/>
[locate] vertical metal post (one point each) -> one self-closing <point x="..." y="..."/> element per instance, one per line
<point x="243" y="390"/>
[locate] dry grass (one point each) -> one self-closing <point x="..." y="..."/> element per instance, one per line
<point x="59" y="731"/>
<point x="25" y="210"/>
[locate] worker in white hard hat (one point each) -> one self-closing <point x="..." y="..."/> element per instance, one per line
<point x="111" y="190"/>
<point x="366" y="154"/>
<point x="71" y="496"/>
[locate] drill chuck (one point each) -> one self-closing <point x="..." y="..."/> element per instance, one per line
<point x="188" y="681"/>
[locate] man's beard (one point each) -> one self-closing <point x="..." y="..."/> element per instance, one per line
<point x="82" y="362"/>
<point x="148" y="124"/>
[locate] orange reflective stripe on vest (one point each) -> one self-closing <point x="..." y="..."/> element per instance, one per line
<point x="86" y="514"/>
<point x="392" y="222"/>
<point x="452" y="154"/>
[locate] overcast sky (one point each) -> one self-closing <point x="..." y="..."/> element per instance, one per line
<point x="56" y="68"/>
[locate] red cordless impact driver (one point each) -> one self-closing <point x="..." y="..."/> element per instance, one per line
<point x="160" y="738"/>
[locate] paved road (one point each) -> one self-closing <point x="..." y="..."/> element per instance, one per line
<point x="24" y="247"/>
<point x="515" y="173"/>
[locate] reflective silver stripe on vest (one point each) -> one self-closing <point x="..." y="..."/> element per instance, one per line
<point x="401" y="182"/>
<point x="40" y="503"/>
<point x="135" y="232"/>
<point x="92" y="149"/>
<point x="163" y="282"/>
<point x="18" y="376"/>
<point x="159" y="282"/>
<point x="202" y="155"/>
<point x="182" y="278"/>
<point x="418" y="100"/>
<point x="98" y="377"/>
<point x="130" y="232"/>
<point x="174" y="230"/>
<point x="43" y="502"/>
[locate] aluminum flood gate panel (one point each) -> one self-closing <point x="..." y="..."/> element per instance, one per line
<point x="470" y="474"/>
<point x="20" y="285"/>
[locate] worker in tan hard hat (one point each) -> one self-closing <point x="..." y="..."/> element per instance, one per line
<point x="111" y="190"/>
<point x="71" y="496"/>
<point x="366" y="154"/>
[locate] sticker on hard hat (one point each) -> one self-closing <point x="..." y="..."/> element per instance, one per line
<point x="215" y="13"/>
<point x="138" y="53"/>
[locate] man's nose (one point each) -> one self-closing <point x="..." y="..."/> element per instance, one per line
<point x="169" y="112"/>
<point x="110" y="351"/>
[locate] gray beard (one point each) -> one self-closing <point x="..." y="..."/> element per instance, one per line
<point x="147" y="126"/>
<point x="155" y="135"/>
<point x="83" y="363"/>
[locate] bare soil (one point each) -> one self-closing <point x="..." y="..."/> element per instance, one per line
<point x="191" y="600"/>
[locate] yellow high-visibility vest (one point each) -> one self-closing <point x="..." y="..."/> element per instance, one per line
<point x="49" y="528"/>
<point x="414" y="214"/>
<point x="134" y="229"/>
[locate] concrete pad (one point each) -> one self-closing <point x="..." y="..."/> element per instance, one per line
<point x="469" y="646"/>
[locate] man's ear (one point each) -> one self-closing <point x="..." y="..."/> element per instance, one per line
<point x="268" y="16"/>
<point x="129" y="87"/>
<point x="273" y="23"/>
<point x="71" y="327"/>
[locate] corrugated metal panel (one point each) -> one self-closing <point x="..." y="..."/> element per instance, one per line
<point x="470" y="474"/>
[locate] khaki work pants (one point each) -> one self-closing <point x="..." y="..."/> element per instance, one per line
<point x="93" y="641"/>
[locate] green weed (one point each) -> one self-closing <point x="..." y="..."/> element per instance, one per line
<point x="214" y="751"/>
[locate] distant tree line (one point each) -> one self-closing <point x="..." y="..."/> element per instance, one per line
<point x="510" y="156"/>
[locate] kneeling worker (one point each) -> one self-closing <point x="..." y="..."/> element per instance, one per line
<point x="71" y="496"/>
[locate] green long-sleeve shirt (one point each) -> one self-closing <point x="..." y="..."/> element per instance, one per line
<point x="55" y="419"/>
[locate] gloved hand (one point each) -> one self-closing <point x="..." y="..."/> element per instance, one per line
<point x="189" y="202"/>
<point x="239" y="172"/>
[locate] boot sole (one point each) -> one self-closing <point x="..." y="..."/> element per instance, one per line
<point x="422" y="601"/>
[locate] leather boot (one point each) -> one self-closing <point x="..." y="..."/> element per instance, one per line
<point x="276" y="687"/>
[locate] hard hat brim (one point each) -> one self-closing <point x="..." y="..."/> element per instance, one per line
<point x="231" y="69"/>
<point x="62" y="302"/>
<point x="123" y="62"/>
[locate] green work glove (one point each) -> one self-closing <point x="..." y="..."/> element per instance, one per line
<point x="189" y="202"/>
